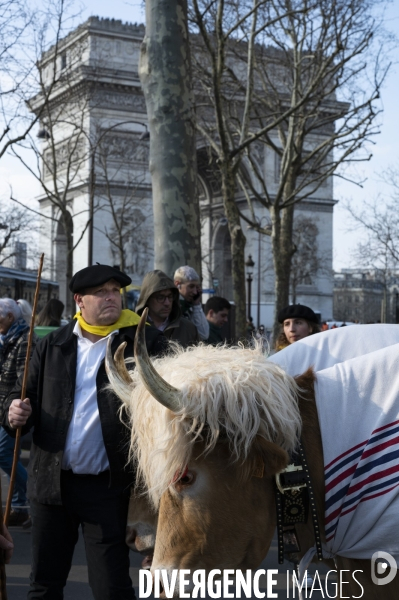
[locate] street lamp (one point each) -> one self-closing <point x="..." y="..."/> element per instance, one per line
<point x="43" y="134"/>
<point x="145" y="136"/>
<point x="250" y="265"/>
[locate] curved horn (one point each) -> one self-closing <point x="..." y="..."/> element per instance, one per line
<point x="115" y="366"/>
<point x="160" y="389"/>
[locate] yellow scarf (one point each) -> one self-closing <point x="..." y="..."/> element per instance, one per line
<point x="126" y="319"/>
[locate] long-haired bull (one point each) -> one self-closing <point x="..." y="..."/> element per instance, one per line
<point x="211" y="428"/>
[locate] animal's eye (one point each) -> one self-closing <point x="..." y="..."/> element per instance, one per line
<point x="186" y="479"/>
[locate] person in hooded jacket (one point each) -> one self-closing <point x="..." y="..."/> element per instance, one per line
<point x="161" y="296"/>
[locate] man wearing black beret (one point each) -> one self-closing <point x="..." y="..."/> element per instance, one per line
<point x="77" y="470"/>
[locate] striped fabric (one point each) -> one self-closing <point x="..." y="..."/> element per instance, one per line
<point x="358" y="407"/>
<point x="363" y="473"/>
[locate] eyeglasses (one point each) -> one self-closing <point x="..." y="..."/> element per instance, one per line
<point x="162" y="299"/>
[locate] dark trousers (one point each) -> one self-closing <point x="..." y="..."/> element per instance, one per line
<point x="102" y="513"/>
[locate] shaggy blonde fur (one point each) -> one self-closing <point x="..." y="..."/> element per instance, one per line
<point x="233" y="392"/>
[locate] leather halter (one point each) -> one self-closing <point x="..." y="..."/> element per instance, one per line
<point x="294" y="496"/>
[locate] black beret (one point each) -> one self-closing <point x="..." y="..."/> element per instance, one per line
<point x="297" y="311"/>
<point x="97" y="275"/>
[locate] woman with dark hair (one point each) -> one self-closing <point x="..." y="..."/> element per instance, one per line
<point x="298" y="321"/>
<point x="51" y="313"/>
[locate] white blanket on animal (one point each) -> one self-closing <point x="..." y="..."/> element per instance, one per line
<point x="357" y="397"/>
<point x="358" y="407"/>
<point x="328" y="348"/>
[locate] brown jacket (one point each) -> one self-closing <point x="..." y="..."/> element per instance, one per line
<point x="178" y="328"/>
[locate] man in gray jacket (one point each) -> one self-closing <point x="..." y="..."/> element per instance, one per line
<point x="188" y="283"/>
<point x="161" y="296"/>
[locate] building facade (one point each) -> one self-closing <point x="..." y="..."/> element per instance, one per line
<point x="95" y="148"/>
<point x="366" y="296"/>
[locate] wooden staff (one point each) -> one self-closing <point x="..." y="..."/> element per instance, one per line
<point x="23" y="394"/>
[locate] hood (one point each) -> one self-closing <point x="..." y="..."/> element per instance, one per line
<point x="158" y="281"/>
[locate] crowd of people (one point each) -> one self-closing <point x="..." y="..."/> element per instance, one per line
<point x="77" y="474"/>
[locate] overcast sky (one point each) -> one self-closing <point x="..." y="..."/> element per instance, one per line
<point x="385" y="152"/>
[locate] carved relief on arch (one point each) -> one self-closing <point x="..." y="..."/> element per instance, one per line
<point x="67" y="153"/>
<point x="124" y="146"/>
<point x="122" y="101"/>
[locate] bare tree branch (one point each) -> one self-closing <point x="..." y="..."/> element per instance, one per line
<point x="15" y="226"/>
<point x="302" y="92"/>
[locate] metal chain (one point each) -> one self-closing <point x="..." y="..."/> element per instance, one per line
<point x="280" y="517"/>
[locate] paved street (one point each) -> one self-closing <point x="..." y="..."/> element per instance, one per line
<point x="77" y="587"/>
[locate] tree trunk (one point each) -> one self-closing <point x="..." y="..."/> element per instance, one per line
<point x="282" y="226"/>
<point x="68" y="228"/>
<point x="165" y="74"/>
<point x="238" y="242"/>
